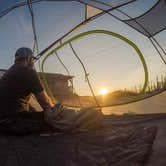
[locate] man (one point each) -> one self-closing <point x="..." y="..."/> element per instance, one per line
<point x="16" y="87"/>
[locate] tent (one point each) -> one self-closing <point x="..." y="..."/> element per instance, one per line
<point x="109" y="46"/>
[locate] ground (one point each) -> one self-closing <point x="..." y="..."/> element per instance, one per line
<point x="130" y="140"/>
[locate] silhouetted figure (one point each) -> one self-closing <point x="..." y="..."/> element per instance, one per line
<point x="16" y="86"/>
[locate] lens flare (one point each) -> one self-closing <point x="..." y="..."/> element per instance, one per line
<point x="103" y="91"/>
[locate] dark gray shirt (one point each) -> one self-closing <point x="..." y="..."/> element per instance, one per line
<point x="16" y="85"/>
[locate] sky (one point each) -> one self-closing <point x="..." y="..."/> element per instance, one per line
<point x="110" y="62"/>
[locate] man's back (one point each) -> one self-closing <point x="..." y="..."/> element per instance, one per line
<point x="16" y="86"/>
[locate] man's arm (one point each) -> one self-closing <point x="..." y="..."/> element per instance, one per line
<point x="34" y="84"/>
<point x="44" y="100"/>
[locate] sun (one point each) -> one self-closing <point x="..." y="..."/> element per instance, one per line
<point x="103" y="91"/>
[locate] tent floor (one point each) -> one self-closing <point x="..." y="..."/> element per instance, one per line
<point x="123" y="141"/>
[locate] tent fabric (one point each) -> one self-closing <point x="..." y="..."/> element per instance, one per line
<point x="113" y="145"/>
<point x="91" y="11"/>
<point x="10" y="4"/>
<point x="17" y="24"/>
<point x="151" y="22"/>
<point x="105" y="4"/>
<point x="58" y="21"/>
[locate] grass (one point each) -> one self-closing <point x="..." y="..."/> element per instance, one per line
<point x="153" y="87"/>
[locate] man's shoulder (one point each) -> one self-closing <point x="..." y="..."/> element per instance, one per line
<point x="20" y="71"/>
<point x="22" y="68"/>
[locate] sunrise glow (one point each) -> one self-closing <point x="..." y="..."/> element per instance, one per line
<point x="103" y="91"/>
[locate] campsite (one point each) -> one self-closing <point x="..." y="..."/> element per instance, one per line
<point x="82" y="83"/>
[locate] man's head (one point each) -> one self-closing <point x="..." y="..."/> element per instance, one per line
<point x="25" y="55"/>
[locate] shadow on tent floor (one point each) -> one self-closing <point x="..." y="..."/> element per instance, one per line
<point x="124" y="141"/>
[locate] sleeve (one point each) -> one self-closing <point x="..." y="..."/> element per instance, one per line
<point x="34" y="83"/>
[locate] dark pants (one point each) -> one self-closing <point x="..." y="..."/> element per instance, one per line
<point x="25" y="123"/>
